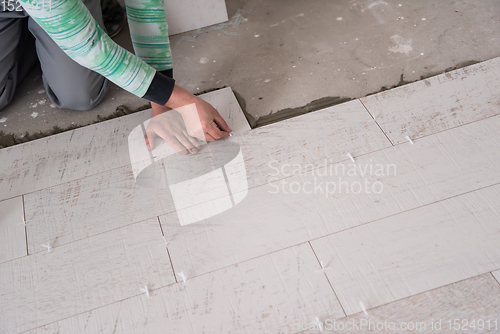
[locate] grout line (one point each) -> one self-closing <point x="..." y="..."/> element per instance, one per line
<point x="168" y="252"/>
<point x="494" y="277"/>
<point x="324" y="272"/>
<point x="228" y="185"/>
<point x="25" y="228"/>
<point x="390" y="141"/>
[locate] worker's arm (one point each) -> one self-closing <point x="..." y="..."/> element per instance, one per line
<point x="149" y="33"/>
<point x="74" y="30"/>
<point x="72" y="27"/>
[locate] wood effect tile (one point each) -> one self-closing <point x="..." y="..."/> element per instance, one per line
<point x="439" y="103"/>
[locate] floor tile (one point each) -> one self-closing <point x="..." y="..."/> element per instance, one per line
<point x="438" y="103"/>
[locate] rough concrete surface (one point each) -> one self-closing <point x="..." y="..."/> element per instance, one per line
<point x="284" y="54"/>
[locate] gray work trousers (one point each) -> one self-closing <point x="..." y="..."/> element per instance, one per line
<point x="68" y="84"/>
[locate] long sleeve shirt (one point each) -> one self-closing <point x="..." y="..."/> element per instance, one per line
<point x="74" y="30"/>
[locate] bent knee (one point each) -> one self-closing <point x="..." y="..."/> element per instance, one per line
<point x="81" y="99"/>
<point x="7" y="89"/>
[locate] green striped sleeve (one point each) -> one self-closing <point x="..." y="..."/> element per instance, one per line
<point x="149" y="32"/>
<point x="74" y="30"/>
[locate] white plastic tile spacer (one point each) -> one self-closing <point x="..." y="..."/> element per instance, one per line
<point x="323" y="268"/>
<point x="350" y="157"/>
<point x="48" y="246"/>
<point x="23" y="222"/>
<point x="409" y="139"/>
<point x="165" y="243"/>
<point x="181" y="274"/>
<point x="230" y="134"/>
<point x="363" y="308"/>
<point x="320" y="324"/>
<point x="146" y="290"/>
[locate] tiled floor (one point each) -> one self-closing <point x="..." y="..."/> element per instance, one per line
<point x="412" y="237"/>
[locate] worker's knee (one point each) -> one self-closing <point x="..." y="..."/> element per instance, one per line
<point x="78" y="98"/>
<point x="7" y="88"/>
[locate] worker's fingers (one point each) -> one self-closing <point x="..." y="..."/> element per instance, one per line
<point x="221" y="123"/>
<point x="214" y="131"/>
<point x="172" y="141"/>
<point x="193" y="141"/>
<point x="150" y="139"/>
<point x="208" y="137"/>
<point x="186" y="143"/>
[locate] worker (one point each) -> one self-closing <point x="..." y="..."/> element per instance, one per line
<point x="78" y="59"/>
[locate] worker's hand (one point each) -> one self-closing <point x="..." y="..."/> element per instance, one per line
<point x="169" y="125"/>
<point x="213" y="125"/>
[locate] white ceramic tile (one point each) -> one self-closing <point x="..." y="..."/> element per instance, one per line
<point x="81" y="276"/>
<point x="434" y="168"/>
<point x="470" y="306"/>
<point x="414" y="251"/>
<point x="329" y="133"/>
<point x="184" y="16"/>
<point x="263" y="295"/>
<point x="12" y="231"/>
<point x="228" y="107"/>
<point x="438" y="103"/>
<point x="86" y="151"/>
<point x="85" y="207"/>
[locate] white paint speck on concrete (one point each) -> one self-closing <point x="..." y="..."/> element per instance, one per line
<point x="34" y="115"/>
<point x="203" y="60"/>
<point x="402" y="45"/>
<point x="41" y="91"/>
<point x="339" y="18"/>
<point x="3" y="120"/>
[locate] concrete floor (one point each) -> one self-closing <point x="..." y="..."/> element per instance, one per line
<point x="288" y="53"/>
